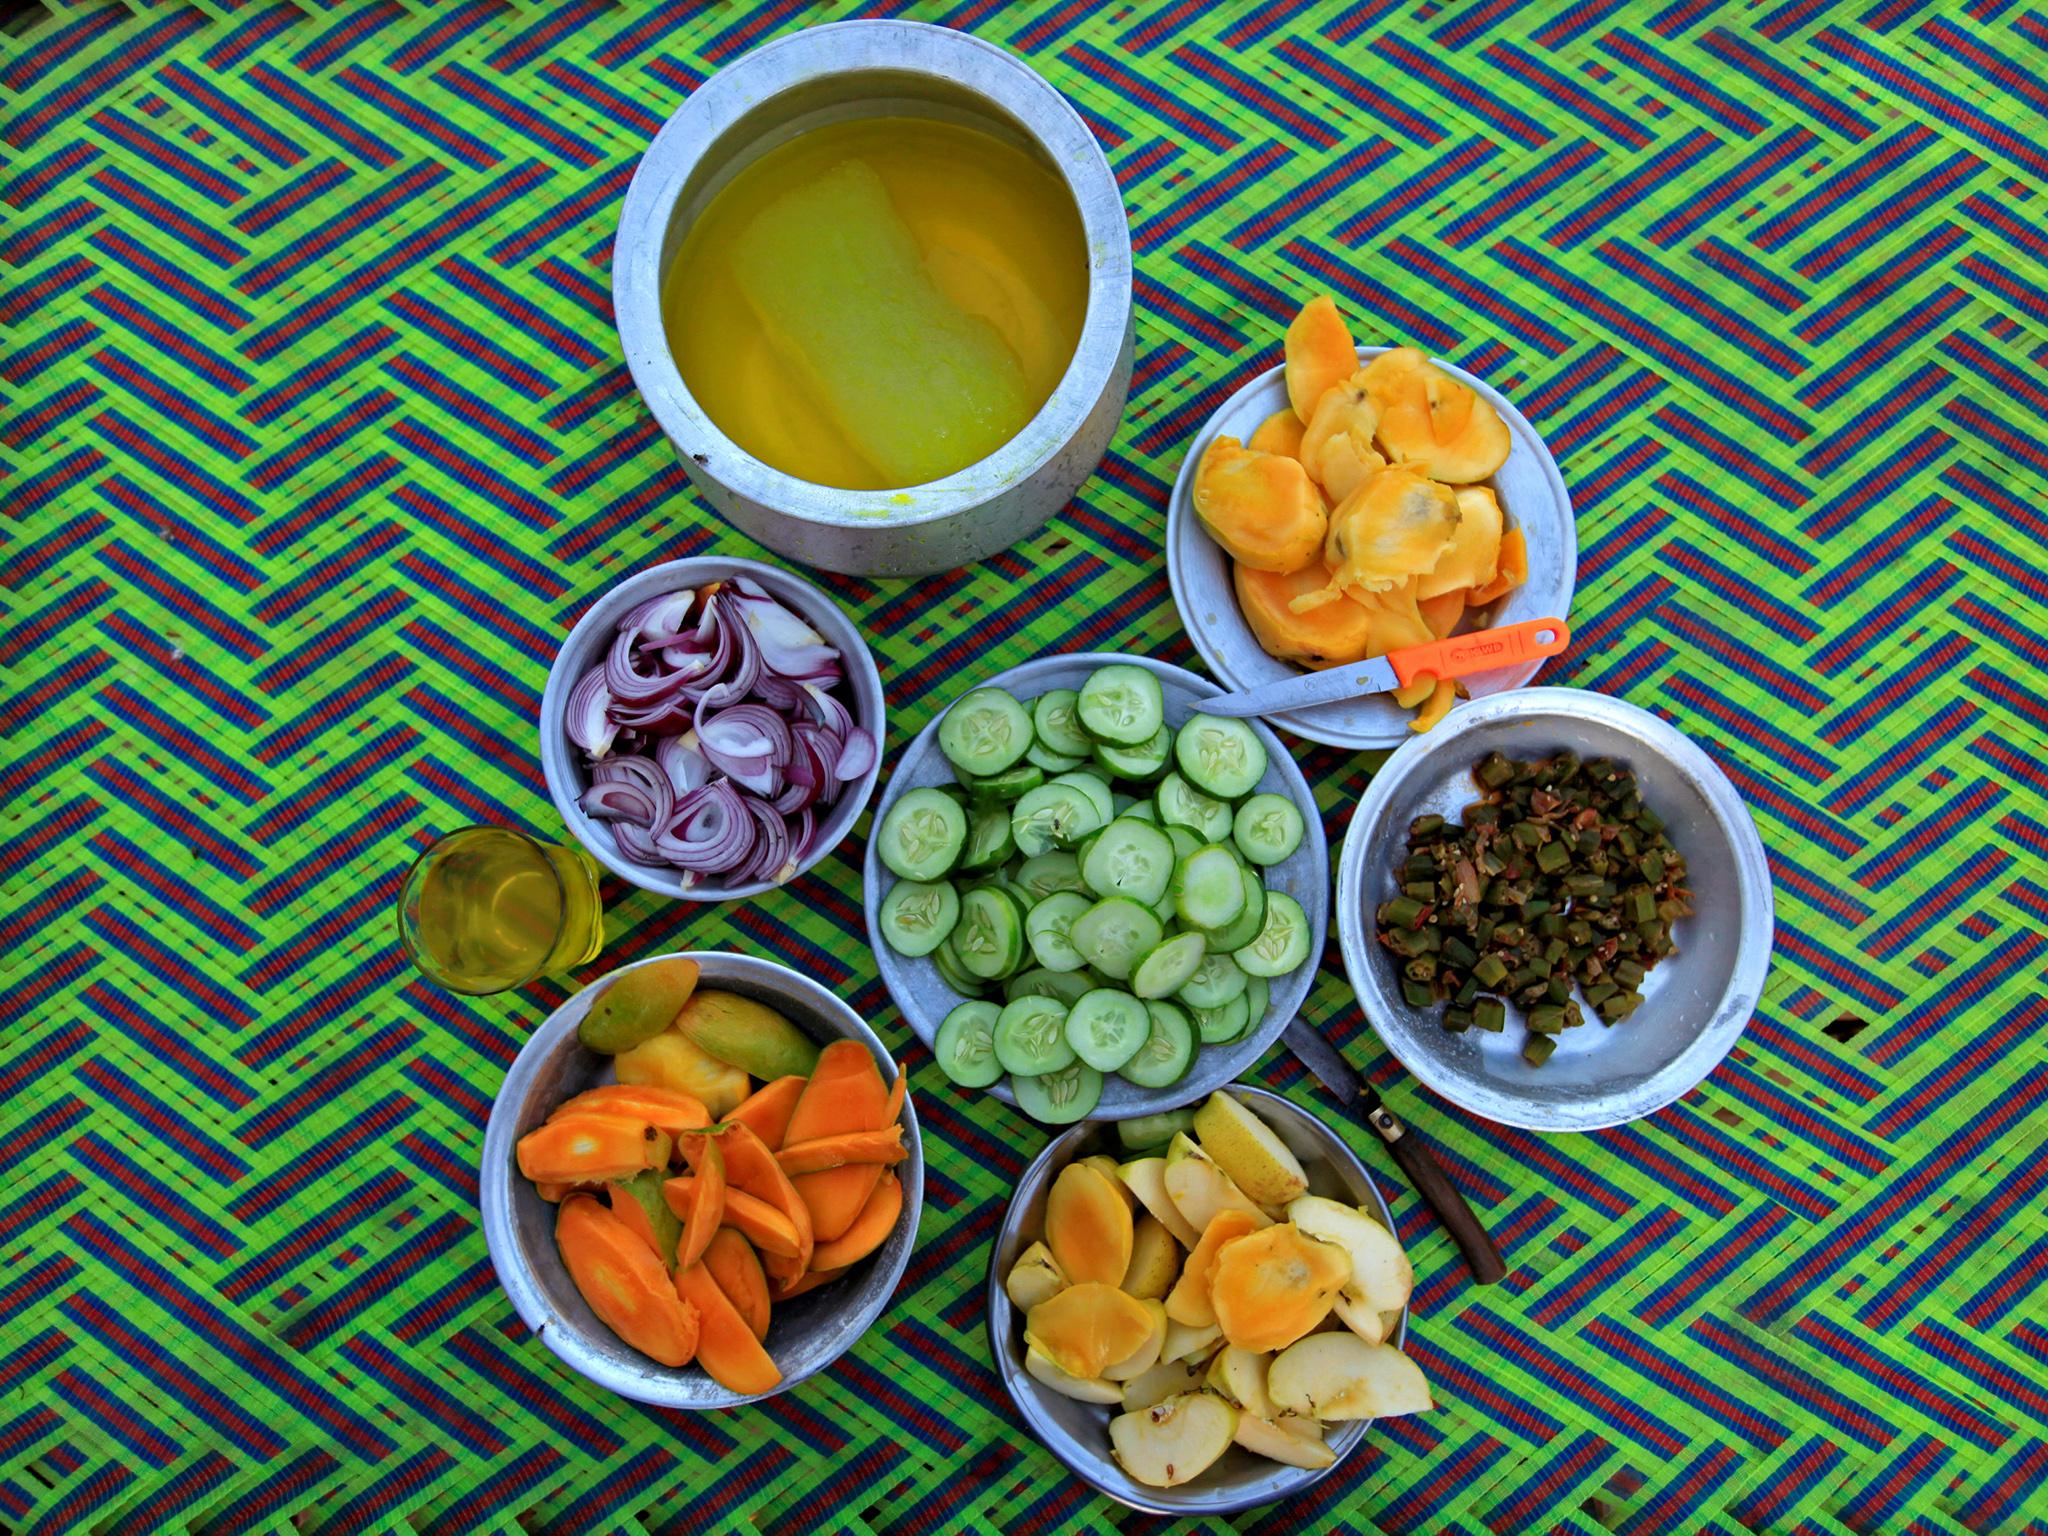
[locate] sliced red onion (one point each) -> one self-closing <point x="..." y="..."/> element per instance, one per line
<point x="788" y="645"/>
<point x="711" y="831"/>
<point x="712" y="734"/>
<point x="857" y="756"/>
<point x="682" y="762"/>
<point x="588" y="723"/>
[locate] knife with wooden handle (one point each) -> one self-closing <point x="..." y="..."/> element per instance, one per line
<point x="1408" y="1149"/>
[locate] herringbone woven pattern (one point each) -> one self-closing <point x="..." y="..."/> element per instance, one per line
<point x="317" y="439"/>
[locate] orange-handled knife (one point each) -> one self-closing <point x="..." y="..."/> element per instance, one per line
<point x="1484" y="650"/>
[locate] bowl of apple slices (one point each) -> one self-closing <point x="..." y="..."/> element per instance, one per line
<point x="1203" y="1310"/>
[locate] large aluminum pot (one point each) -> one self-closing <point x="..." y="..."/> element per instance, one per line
<point x="829" y="74"/>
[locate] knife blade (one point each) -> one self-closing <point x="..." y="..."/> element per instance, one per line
<point x="1407" y="1147"/>
<point x="1484" y="650"/>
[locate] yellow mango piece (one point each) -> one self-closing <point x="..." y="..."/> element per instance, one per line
<point x="1327" y="635"/>
<point x="1396" y="525"/>
<point x="1513" y="570"/>
<point x="1320" y="353"/>
<point x="1395" y="617"/>
<point x="1278" y="433"/>
<point x="1261" y="507"/>
<point x="1473" y="559"/>
<point x="1337" y="445"/>
<point x="670" y="1060"/>
<point x="1433" y="421"/>
<point x="1443" y="694"/>
<point x="1442" y="613"/>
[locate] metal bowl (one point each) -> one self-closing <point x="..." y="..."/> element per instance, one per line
<point x="829" y="74"/>
<point x="1531" y="493"/>
<point x="924" y="997"/>
<point x="561" y="760"/>
<point x="1078" y="1433"/>
<point x="1695" y="1002"/>
<point x="808" y="1332"/>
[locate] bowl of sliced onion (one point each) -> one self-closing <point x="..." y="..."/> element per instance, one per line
<point x="712" y="728"/>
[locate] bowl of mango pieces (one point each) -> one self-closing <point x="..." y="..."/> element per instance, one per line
<point x="1202" y="1310"/>
<point x="1354" y="500"/>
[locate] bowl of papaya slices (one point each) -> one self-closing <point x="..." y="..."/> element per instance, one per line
<point x="701" y="1180"/>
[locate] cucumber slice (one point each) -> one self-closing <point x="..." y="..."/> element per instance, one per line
<point x="1007" y="785"/>
<point x="1031" y="1036"/>
<point x="1052" y="717"/>
<point x="1183" y="805"/>
<point x="1140" y="764"/>
<point x="1168" y="1051"/>
<point x="1215" y="982"/>
<point x="1223" y="1023"/>
<point x="966" y="1045"/>
<point x="1121" y="704"/>
<point x="1258" y="995"/>
<point x="916" y="916"/>
<point x="946" y="959"/>
<point x="1166" y="967"/>
<point x="1114" y="933"/>
<point x="1164" y="909"/>
<point x="1184" y="842"/>
<point x="1043" y="757"/>
<point x="988" y="941"/>
<point x="1220" y="755"/>
<point x="1054" y="813"/>
<point x="1128" y="858"/>
<point x="1066" y="986"/>
<point x="1062" y="1097"/>
<point x="1144" y="1133"/>
<point x="1282" y="943"/>
<point x="1094" y="787"/>
<point x="1049" y="926"/>
<point x="1143" y="810"/>
<point x="1208" y="887"/>
<point x="990" y="842"/>
<point x="985" y="732"/>
<point x="1240" y="933"/>
<point x="1106" y="1028"/>
<point x="1043" y="873"/>
<point x="1267" y="828"/>
<point x="921" y="837"/>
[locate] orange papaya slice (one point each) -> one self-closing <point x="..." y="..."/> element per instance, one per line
<point x="845" y="1093"/>
<point x="868" y="1230"/>
<point x="663" y="1108"/>
<point x="726" y="1346"/>
<point x="737" y="1269"/>
<point x="809" y="1280"/>
<point x="884" y="1146"/>
<point x="756" y="1220"/>
<point x="750" y="1167"/>
<point x="767" y="1109"/>
<point x="590" y="1149"/>
<point x="625" y="1284"/>
<point x="707" y="1205"/>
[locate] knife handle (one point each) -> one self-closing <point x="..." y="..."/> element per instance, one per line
<point x="1435" y="1187"/>
<point x="1483" y="650"/>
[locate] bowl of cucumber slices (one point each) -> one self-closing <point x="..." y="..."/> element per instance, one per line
<point x="1090" y="899"/>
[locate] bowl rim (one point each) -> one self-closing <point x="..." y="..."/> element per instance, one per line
<point x="901" y="46"/>
<point x="1182" y="526"/>
<point x="558" y="758"/>
<point x="1007" y="1357"/>
<point x="1315" y="844"/>
<point x="1739" y="999"/>
<point x="495" y="1192"/>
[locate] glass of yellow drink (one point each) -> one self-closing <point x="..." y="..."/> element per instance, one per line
<point x="487" y="909"/>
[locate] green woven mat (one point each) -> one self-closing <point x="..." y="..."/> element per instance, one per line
<point x="317" y="440"/>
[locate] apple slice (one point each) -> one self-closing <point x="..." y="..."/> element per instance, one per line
<point x="1183" y="1341"/>
<point x="1296" y="1447"/>
<point x="1035" y="1277"/>
<point x="1085" y="1389"/>
<point x="1146" y="1355"/>
<point x="1167" y="1379"/>
<point x="1381" y="1276"/>
<point x="1199" y="1188"/>
<point x="1246" y="1148"/>
<point x="1146" y="1178"/>
<point x="1335" y="1376"/>
<point x="1240" y="1375"/>
<point x="1172" y="1441"/>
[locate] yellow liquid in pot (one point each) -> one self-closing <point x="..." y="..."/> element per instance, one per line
<point x="881" y="302"/>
